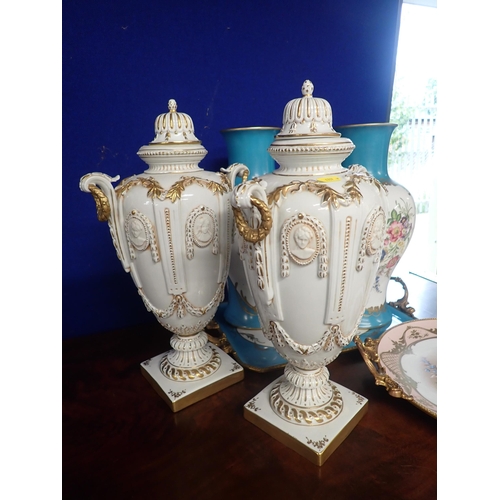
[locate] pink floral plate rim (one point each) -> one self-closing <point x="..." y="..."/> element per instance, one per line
<point x="399" y="342"/>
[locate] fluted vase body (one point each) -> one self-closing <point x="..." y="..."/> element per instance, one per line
<point x="311" y="240"/>
<point x="372" y="147"/>
<point x="172" y="230"/>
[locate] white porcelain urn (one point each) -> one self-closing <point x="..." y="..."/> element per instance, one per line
<point x="311" y="236"/>
<point x="172" y="229"/>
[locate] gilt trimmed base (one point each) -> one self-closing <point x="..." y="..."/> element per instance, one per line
<point x="181" y="394"/>
<point x="314" y="442"/>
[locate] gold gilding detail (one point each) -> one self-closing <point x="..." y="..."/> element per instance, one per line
<point x="224" y="179"/>
<point x="179" y="374"/>
<point x="254" y="235"/>
<point x="101" y="203"/>
<point x="217" y="337"/>
<point x="347" y="241"/>
<point x="369" y="352"/>
<point x="168" y="143"/>
<point x="326" y="343"/>
<point x="181" y="305"/>
<point x="328" y="195"/>
<point x="317" y="457"/>
<point x="359" y="173"/>
<point x="175" y="192"/>
<point x="179" y="400"/>
<point x="403" y="304"/>
<point x="306" y="416"/>
<point x="352" y="189"/>
<point x="375" y="309"/>
<point x="152" y="185"/>
<point x="155" y="189"/>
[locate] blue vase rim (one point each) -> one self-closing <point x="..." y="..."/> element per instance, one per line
<point x="248" y="128"/>
<point x="387" y="124"/>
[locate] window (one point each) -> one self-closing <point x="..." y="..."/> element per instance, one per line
<point x="411" y="153"/>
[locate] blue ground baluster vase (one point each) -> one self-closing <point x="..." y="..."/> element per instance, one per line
<point x="372" y="150"/>
<point x="248" y="145"/>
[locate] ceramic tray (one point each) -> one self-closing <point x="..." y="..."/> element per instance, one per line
<point x="404" y="361"/>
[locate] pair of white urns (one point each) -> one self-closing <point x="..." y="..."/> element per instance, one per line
<point x="310" y="237"/>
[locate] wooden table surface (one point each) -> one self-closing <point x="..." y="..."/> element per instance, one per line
<point x="120" y="440"/>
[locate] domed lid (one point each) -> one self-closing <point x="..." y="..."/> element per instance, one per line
<point x="174" y="127"/>
<point x="307" y="143"/>
<point x="307" y="115"/>
<point x="175" y="148"/>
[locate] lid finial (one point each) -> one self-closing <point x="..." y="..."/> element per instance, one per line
<point x="307" y="88"/>
<point x="172" y="105"/>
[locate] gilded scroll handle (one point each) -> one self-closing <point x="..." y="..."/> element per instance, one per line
<point x="100" y="186"/>
<point x="369" y="353"/>
<point x="101" y="202"/>
<point x="236" y="170"/>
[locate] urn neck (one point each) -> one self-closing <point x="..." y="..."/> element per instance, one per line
<point x="310" y="157"/>
<point x="173" y="169"/>
<point x="172" y="159"/>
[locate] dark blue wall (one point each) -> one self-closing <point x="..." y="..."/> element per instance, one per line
<point x="228" y="64"/>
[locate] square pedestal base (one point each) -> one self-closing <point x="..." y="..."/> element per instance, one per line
<point x="314" y="442"/>
<point x="179" y="395"/>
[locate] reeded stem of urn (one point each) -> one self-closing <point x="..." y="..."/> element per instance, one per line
<point x="306" y="397"/>
<point x="191" y="358"/>
<point x="306" y="388"/>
